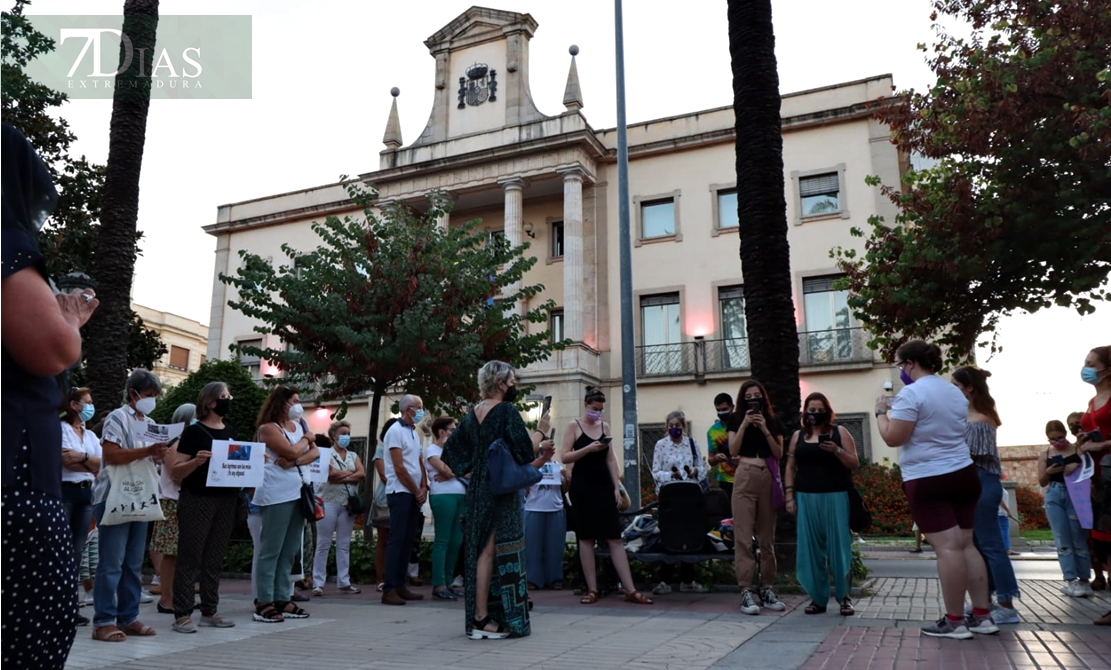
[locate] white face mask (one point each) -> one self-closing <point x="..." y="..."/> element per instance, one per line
<point x="296" y="411"/>
<point x="145" y="406"/>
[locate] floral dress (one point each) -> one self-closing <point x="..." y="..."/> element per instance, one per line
<point x="466" y="451"/>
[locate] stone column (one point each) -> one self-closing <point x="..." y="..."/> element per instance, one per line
<point x="573" y="281"/>
<point x="514" y="213"/>
<point x="444" y="199"/>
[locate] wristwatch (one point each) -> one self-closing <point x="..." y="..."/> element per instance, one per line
<point x="840" y="451"/>
<point x="881" y="411"/>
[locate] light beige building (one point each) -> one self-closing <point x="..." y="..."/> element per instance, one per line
<point x="550" y="179"/>
<point x="186" y="343"/>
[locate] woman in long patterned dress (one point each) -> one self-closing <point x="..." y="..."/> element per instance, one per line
<point x="493" y="527"/>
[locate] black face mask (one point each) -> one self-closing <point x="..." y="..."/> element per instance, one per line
<point x="817" y="418"/>
<point x="510" y="393"/>
<point x="724" y="413"/>
<point x="223" y="406"/>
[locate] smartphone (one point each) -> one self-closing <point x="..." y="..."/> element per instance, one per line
<point x="606" y="439"/>
<point x="552" y="436"/>
<point x="547" y="405"/>
<point x="1095" y="436"/>
<point x="754" y="405"/>
<point x="171" y="443"/>
<point x="825" y="437"/>
<point x="1057" y="460"/>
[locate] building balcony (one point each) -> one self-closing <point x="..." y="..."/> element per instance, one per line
<point x="818" y="349"/>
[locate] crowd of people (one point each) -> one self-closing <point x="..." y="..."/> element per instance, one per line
<point x="506" y="527"/>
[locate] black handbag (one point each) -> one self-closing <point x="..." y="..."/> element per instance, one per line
<point x="307" y="503"/>
<point x="860" y="518"/>
<point x="506" y="474"/>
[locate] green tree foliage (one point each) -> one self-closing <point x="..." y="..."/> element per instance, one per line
<point x="393" y="302"/>
<point x="1015" y="215"/>
<point x="68" y="240"/>
<point x="247" y="396"/>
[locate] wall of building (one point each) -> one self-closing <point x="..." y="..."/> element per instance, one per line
<point x="175" y="331"/>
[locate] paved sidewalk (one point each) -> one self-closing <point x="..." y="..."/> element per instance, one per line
<point x="681" y="632"/>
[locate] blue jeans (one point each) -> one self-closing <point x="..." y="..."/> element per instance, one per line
<point x="1070" y="538"/>
<point x="404" y="513"/>
<point x="118" y="584"/>
<point x="988" y="539"/>
<point x="1005" y="531"/>
<point x="545" y="542"/>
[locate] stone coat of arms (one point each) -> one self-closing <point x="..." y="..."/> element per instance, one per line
<point x="480" y="85"/>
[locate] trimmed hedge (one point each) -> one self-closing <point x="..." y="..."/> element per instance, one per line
<point x="882" y="490"/>
<point x="1031" y="508"/>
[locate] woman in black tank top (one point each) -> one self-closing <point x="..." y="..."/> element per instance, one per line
<point x="595" y="495"/>
<point x="820" y="460"/>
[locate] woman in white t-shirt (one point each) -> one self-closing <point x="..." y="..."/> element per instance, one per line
<point x="288" y="446"/>
<point x="345" y="473"/>
<point x="546" y="529"/>
<point x="80" y="463"/>
<point x="927" y="423"/>
<point x="446" y="496"/>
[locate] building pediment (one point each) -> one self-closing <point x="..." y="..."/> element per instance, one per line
<point x="479" y="24"/>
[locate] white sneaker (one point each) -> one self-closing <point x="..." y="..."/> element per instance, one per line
<point x="1083" y="589"/>
<point x="457" y="583"/>
<point x="1004" y="615"/>
<point x="146" y="597"/>
<point x="663" y="588"/>
<point x="156" y="580"/>
<point x="88" y="598"/>
<point x="693" y="587"/>
<point x="748" y="603"/>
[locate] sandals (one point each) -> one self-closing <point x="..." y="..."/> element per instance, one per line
<point x="444" y="594"/>
<point x="814" y="609"/>
<point x="139" y="629"/>
<point x="479" y="632"/>
<point x="346" y="590"/>
<point x="589" y="598"/>
<point x="109" y="634"/>
<point x="291" y="611"/>
<point x="638" y="598"/>
<point x="267" y="613"/>
<point x="847" y="607"/>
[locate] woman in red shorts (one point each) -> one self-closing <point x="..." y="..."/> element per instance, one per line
<point x="1097" y="372"/>
<point x="927" y="423"/>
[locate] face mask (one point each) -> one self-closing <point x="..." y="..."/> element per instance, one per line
<point x="510" y="393"/>
<point x="1075" y="429"/>
<point x="87" y="412"/>
<point x="1090" y="375"/>
<point x="343" y="441"/>
<point x="817" y="418"/>
<point x="192" y="421"/>
<point x="145" y="406"/>
<point x="223" y="406"/>
<point x="594" y="414"/>
<point x="905" y="378"/>
<point x="723" y="414"/>
<point x="1060" y="445"/>
<point x="675" y="432"/>
<point x="296" y="412"/>
<point x="418" y="416"/>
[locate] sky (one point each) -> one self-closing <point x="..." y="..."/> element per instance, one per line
<point x="323" y="69"/>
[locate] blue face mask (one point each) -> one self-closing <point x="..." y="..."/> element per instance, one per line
<point x="418" y="416"/>
<point x="87" y="412"/>
<point x="1089" y="375"/>
<point x="343" y="441"/>
<point x="192" y="421"/>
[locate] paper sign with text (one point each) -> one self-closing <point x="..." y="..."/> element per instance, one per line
<point x="237" y="464"/>
<point x="152" y="433"/>
<point x="317" y="471"/>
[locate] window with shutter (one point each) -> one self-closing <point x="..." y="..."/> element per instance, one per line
<point x="179" y="357"/>
<point x="820" y="194"/>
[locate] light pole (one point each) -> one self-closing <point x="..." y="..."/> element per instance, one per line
<point x="628" y="352"/>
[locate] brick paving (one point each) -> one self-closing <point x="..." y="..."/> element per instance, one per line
<point x="681" y="632"/>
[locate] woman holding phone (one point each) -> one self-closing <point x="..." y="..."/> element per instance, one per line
<point x="820" y="461"/>
<point x="596" y="494"/>
<point x="756" y="442"/>
<point x="1061" y="459"/>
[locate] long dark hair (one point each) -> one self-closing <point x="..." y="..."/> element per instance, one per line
<point x="981" y="400"/>
<point x="767" y="410"/>
<point x="274" y="408"/>
<point x="825" y="402"/>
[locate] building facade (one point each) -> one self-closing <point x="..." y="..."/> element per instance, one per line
<point x="551" y="180"/>
<point x="186" y="343"/>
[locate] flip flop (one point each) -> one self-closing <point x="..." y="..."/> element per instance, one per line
<point x="139" y="629"/>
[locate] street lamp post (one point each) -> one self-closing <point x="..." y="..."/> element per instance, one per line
<point x="628" y="360"/>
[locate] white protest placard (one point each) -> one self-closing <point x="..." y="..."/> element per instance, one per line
<point x="237" y="464"/>
<point x="317" y="471"/>
<point x="153" y="433"/>
<point x="549" y="474"/>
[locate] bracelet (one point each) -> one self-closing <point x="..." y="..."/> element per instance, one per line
<point x="86" y="457"/>
<point x="788" y="488"/>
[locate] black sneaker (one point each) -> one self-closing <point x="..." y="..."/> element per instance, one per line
<point x="81" y="620"/>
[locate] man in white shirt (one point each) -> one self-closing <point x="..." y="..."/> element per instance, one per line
<point x="406" y="491"/>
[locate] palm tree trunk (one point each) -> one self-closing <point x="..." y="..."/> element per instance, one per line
<point x="762" y="213"/>
<point x="106" y="346"/>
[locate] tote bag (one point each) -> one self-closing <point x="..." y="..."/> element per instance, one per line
<point x="133" y="493"/>
<point x="1079" y="485"/>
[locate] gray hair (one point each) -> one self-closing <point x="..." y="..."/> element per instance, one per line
<point x="141" y="380"/>
<point x="184" y="413"/>
<point x="407" y="401"/>
<point x="677" y="414"/>
<point x="336" y="425"/>
<point x="492" y="374"/>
